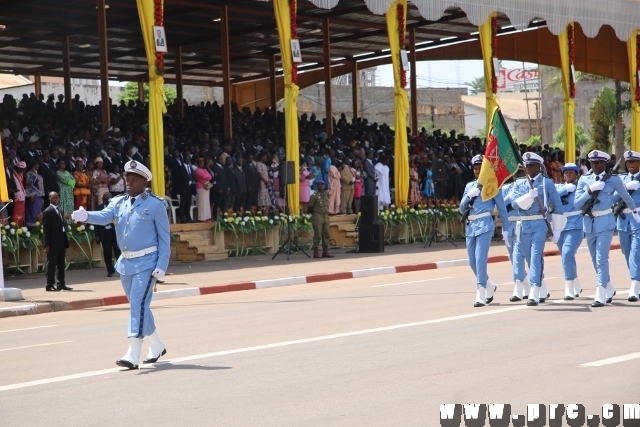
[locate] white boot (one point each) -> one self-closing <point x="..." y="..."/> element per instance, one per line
<point x="156" y="348"/>
<point x="611" y="292"/>
<point x="569" y="291"/>
<point x="526" y="287"/>
<point x="577" y="288"/>
<point x="601" y="296"/>
<point x="132" y="358"/>
<point x="481" y="297"/>
<point x="517" y="292"/>
<point x="544" y="292"/>
<point x="491" y="288"/>
<point x="634" y="290"/>
<point x="534" y="295"/>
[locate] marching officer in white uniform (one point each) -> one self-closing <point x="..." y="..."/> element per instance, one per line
<point x="599" y="229"/>
<point x="531" y="231"/>
<point x="479" y="230"/>
<point x="142" y="230"/>
<point x="628" y="228"/>
<point x="572" y="235"/>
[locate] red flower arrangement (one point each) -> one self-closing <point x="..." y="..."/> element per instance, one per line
<point x="293" y="10"/>
<point x="402" y="39"/>
<point x="159" y="21"/>
<point x="572" y="52"/>
<point x="494" y="49"/>
<point x="638" y="67"/>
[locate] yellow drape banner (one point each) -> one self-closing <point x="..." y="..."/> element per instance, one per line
<point x="157" y="106"/>
<point x="633" y="82"/>
<point x="485" y="31"/>
<point x="292" y="148"/>
<point x="401" y="103"/>
<point x="569" y="103"/>
<point x="4" y="192"/>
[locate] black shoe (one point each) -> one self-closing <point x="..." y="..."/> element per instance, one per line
<point x="51" y="288"/>
<point x="155" y="359"/>
<point x="611" y="299"/>
<point x="159" y="281"/>
<point x="64" y="288"/>
<point x="514" y="299"/>
<point x="490" y="300"/>
<point x="578" y="294"/>
<point x="568" y="298"/>
<point x="525" y="296"/>
<point x="542" y="300"/>
<point x="597" y="304"/>
<point x="126" y="364"/>
<point x="532" y="303"/>
<point x="548" y="295"/>
<point x="478" y="304"/>
<point x="109" y="274"/>
<point x="632" y="298"/>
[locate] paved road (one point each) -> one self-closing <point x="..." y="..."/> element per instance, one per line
<point x="373" y="351"/>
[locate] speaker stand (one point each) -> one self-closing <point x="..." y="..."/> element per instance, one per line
<point x="434" y="236"/>
<point x="289" y="242"/>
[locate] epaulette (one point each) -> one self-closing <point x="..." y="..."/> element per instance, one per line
<point x="153" y="195"/>
<point x="588" y="173"/>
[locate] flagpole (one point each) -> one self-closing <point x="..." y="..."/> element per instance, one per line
<point x="517" y="151"/>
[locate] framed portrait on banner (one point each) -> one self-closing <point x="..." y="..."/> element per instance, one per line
<point x="296" y="55"/>
<point x="404" y="58"/>
<point x="160" y="39"/>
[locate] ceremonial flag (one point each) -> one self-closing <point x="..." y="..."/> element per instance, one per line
<point x="501" y="159"/>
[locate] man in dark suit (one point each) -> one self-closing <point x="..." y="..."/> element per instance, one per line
<point x="106" y="236"/>
<point x="370" y="180"/>
<point x="221" y="187"/>
<point x="48" y="172"/>
<point x="55" y="244"/>
<point x="252" y="184"/>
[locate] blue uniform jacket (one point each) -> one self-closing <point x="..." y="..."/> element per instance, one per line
<point x="543" y="185"/>
<point x="605" y="201"/>
<point x="628" y="223"/>
<point x="138" y="227"/>
<point x="482" y="225"/>
<point x="574" y="222"/>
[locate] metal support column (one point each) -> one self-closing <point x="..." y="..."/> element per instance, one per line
<point x="141" y="91"/>
<point x="37" y="84"/>
<point x="226" y="70"/>
<point x="414" y="83"/>
<point x="327" y="77"/>
<point x="354" y="88"/>
<point x="66" y="71"/>
<point x="104" y="64"/>
<point x="272" y="86"/>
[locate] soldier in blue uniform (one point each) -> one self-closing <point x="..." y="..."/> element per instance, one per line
<point x="628" y="228"/>
<point x="142" y="230"/>
<point x="531" y="230"/>
<point x="479" y="229"/>
<point x="599" y="229"/>
<point x="572" y="235"/>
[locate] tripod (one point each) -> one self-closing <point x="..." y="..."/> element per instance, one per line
<point x="436" y="232"/>
<point x="289" y="242"/>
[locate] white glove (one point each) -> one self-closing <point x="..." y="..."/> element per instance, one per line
<point x="158" y="274"/>
<point x="80" y="215"/>
<point x="555" y="237"/>
<point x="474" y="192"/>
<point x="505" y="237"/>
<point x="533" y="193"/>
<point x="597" y="186"/>
<point x="636" y="216"/>
<point x="632" y="185"/>
<point x="571" y="187"/>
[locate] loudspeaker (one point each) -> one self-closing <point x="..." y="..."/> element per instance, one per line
<point x="371" y="238"/>
<point x="369" y="210"/>
<point x="287" y="173"/>
<point x="439" y="171"/>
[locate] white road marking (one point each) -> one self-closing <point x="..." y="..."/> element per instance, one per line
<point x="414" y="281"/>
<point x="35" y="345"/>
<point x="27" y="329"/>
<point x="612" y="360"/>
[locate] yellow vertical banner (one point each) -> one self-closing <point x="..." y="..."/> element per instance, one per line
<point x="396" y="25"/>
<point x="632" y="54"/>
<point x="157" y="106"/>
<point x="565" y="39"/>
<point x="282" y="12"/>
<point x="4" y="191"/>
<point x="486" y="44"/>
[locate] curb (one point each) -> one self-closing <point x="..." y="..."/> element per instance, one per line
<point x="51" y="306"/>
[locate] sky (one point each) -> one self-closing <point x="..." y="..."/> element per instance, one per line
<point x="446" y="73"/>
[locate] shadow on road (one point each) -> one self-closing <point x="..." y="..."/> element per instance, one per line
<point x="168" y="366"/>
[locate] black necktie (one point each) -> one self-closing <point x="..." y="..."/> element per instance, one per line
<point x="133" y="200"/>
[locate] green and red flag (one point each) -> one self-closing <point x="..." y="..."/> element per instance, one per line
<point x="501" y="159"/>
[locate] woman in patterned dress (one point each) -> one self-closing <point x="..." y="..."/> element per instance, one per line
<point x="66" y="182"/>
<point x="264" y="198"/>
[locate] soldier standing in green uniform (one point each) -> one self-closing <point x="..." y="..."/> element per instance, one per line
<point x="319" y="207"/>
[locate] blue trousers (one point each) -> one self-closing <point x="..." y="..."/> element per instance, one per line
<point x="478" y="252"/>
<point x="139" y="291"/>
<point x="599" y="246"/>
<point x="529" y="247"/>
<point x="630" y="246"/>
<point x="568" y="245"/>
<point x="511" y="239"/>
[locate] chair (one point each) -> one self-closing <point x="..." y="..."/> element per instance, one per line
<point x="194" y="208"/>
<point x="172" y="204"/>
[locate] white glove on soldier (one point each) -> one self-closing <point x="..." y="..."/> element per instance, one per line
<point x="80" y="215"/>
<point x="555" y="237"/>
<point x="533" y="193"/>
<point x="474" y="192"/>
<point x="158" y="274"/>
<point x="596" y="186"/>
<point x="636" y="216"/>
<point x="632" y="185"/>
<point x="571" y="187"/>
<point x="505" y="237"/>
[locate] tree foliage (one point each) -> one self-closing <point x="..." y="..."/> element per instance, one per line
<point x="582" y="138"/>
<point x="602" y="116"/>
<point x="130" y="93"/>
<point x="476" y="85"/>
